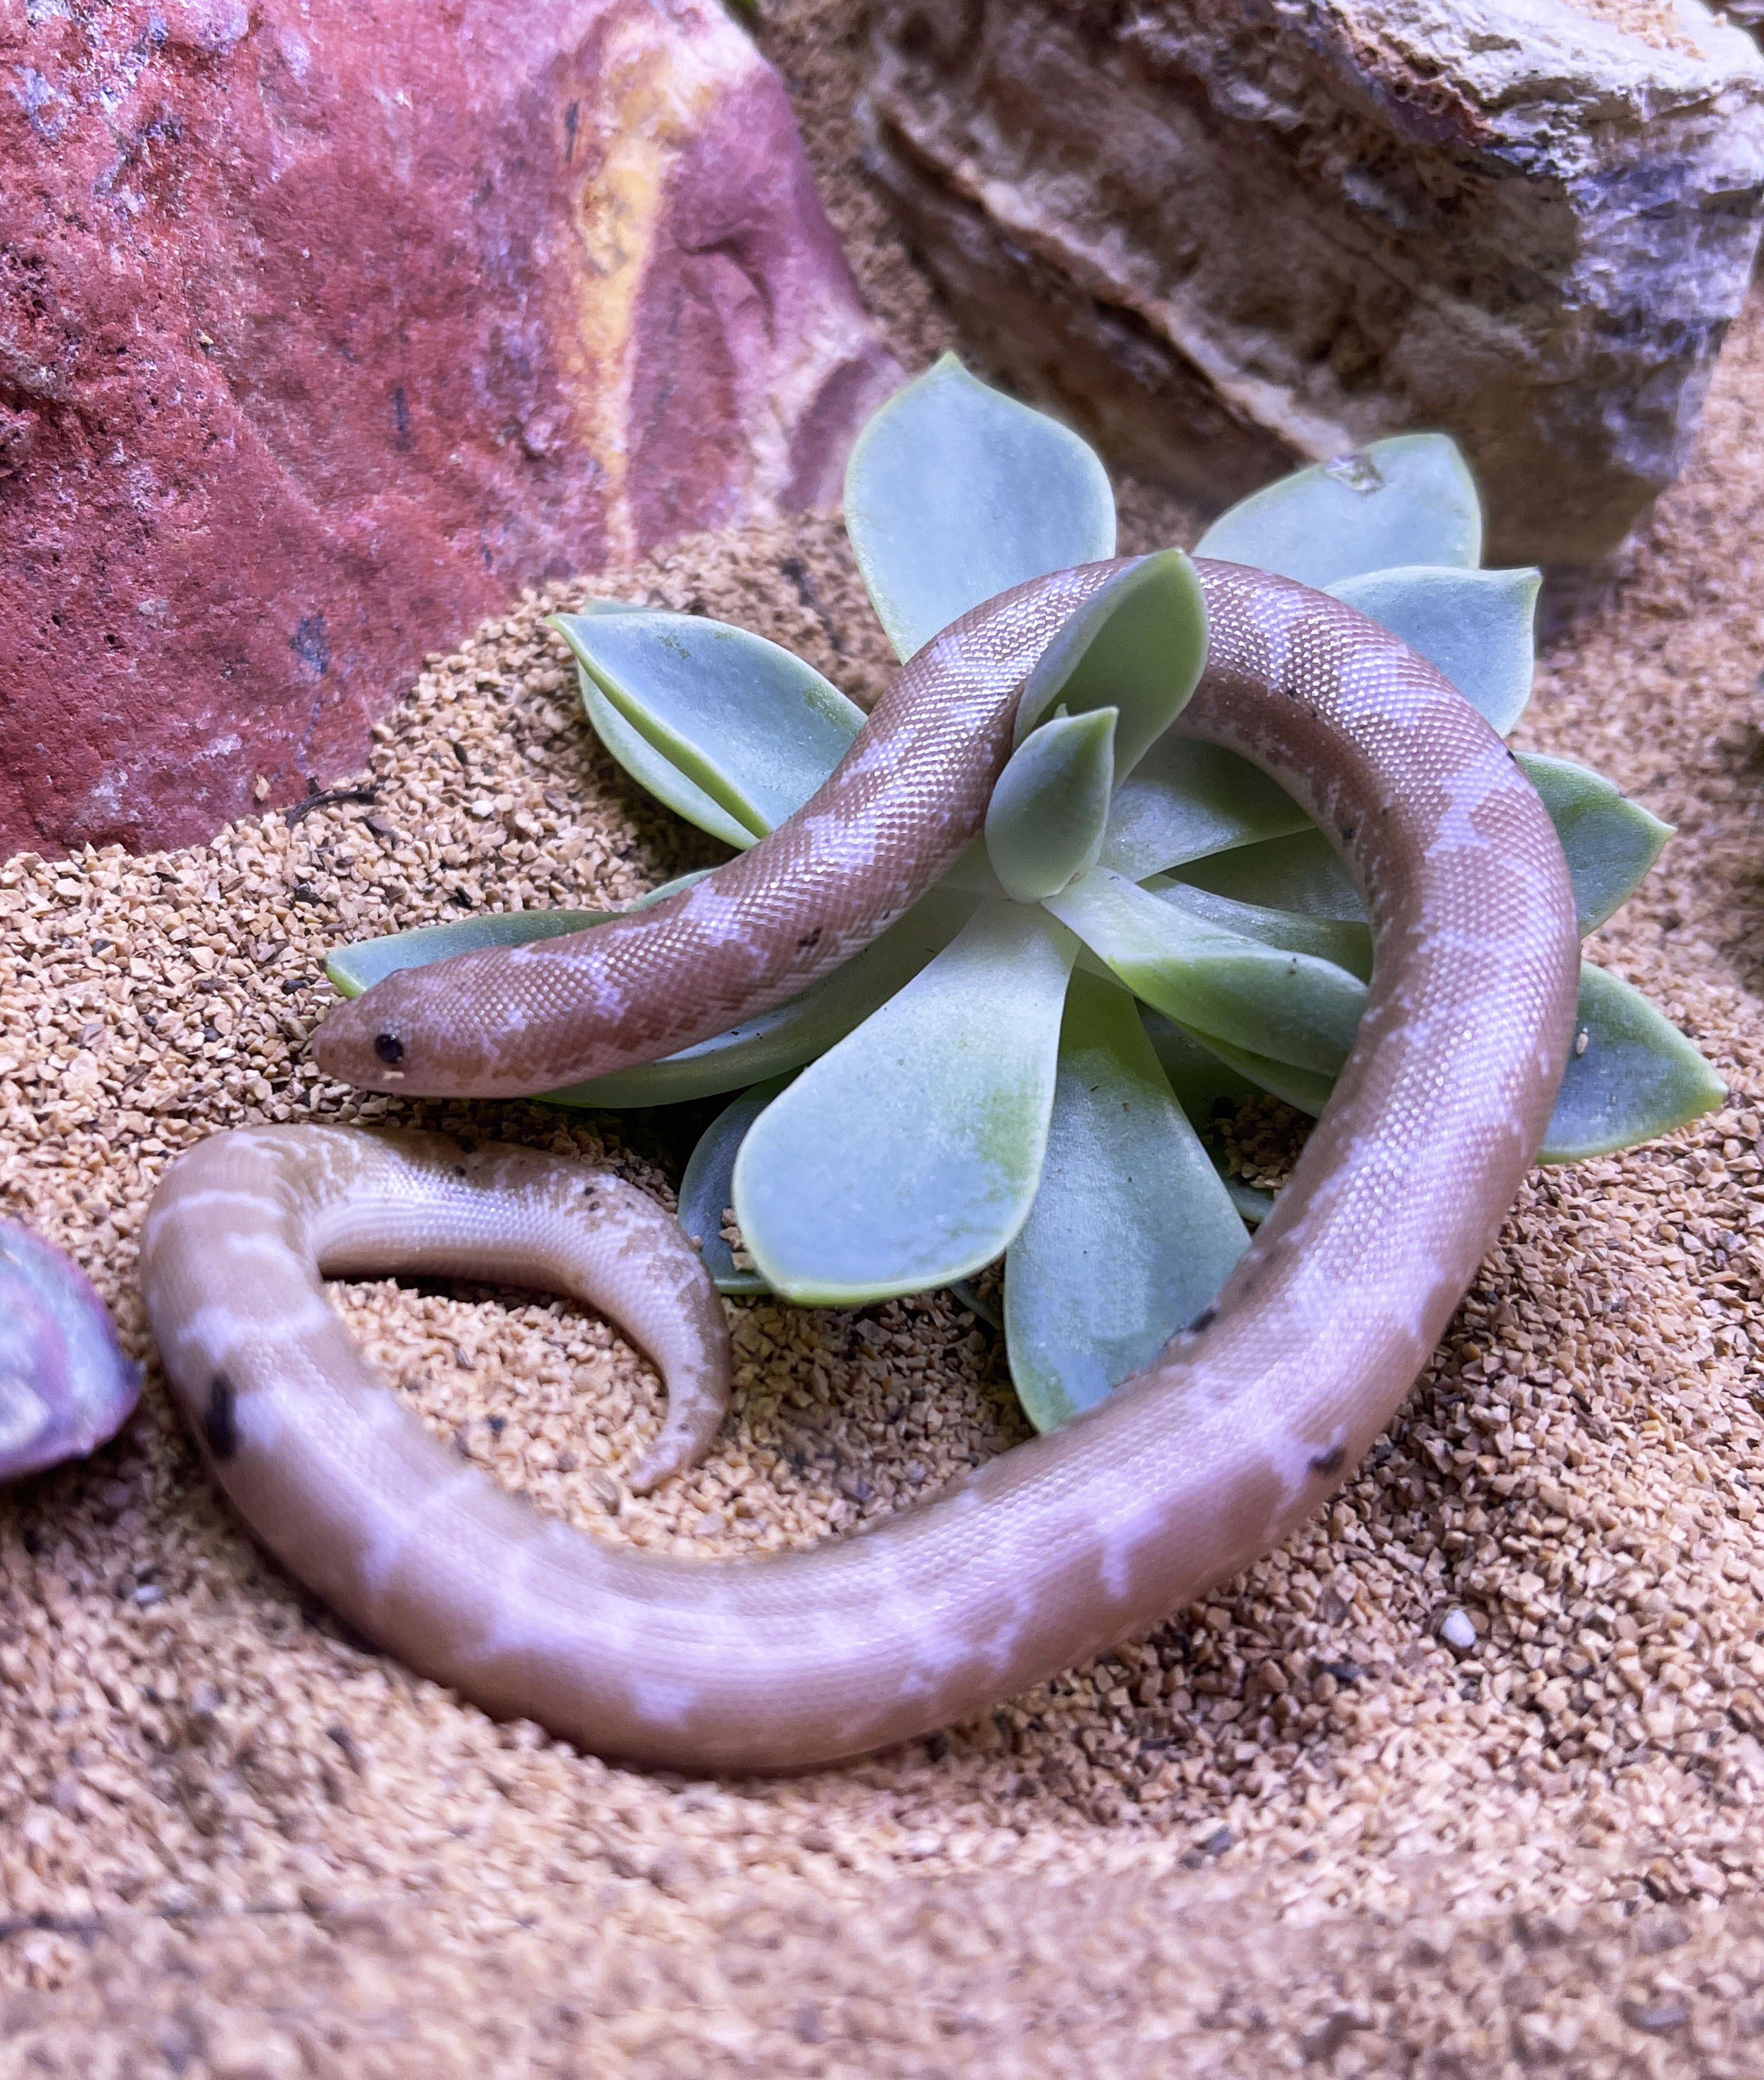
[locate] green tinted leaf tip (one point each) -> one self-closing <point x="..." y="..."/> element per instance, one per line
<point x="1045" y="822"/>
<point x="1408" y="500"/>
<point x="1631" y="1077"/>
<point x="1138" y="645"/>
<point x="955" y="493"/>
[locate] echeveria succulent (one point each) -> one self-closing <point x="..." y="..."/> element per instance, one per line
<point x="1149" y="929"/>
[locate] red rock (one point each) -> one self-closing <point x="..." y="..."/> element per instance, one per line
<point x="324" y="325"/>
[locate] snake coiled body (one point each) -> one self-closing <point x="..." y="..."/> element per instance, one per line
<point x="1191" y="1468"/>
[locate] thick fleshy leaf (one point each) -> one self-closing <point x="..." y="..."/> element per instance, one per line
<point x="968" y="1295"/>
<point x="1631" y="1075"/>
<point x="1131" y="1233"/>
<point x="1186" y="799"/>
<point x="706" y="1188"/>
<point x="973" y="873"/>
<point x="1302" y="872"/>
<point x="772" y="1041"/>
<point x="1205" y="1088"/>
<point x="1045" y="821"/>
<point x="1635" y="1076"/>
<point x="1476" y="625"/>
<point x="1408" y="500"/>
<point x="1201" y="1083"/>
<point x="955" y="492"/>
<point x="647" y="766"/>
<point x="1290" y="1006"/>
<point x="1610" y="842"/>
<point x="740" y="719"/>
<point x="353" y="969"/>
<point x="1252" y="1207"/>
<point x="1305" y="1090"/>
<point x="1138" y="646"/>
<point x="908" y="1157"/>
<point x="1347" y="945"/>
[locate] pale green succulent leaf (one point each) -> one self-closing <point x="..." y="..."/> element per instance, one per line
<point x="955" y="492"/>
<point x="1408" y="500"/>
<point x="1305" y="1090"/>
<point x="1631" y="1077"/>
<point x="707" y="1187"/>
<point x="744" y="721"/>
<point x="784" y="1038"/>
<point x="1253" y="1207"/>
<point x="1045" y="820"/>
<point x="1186" y="799"/>
<point x="1476" y="625"/>
<point x="968" y="1294"/>
<point x="1289" y="1005"/>
<point x="663" y="779"/>
<point x="1347" y="944"/>
<point x="1138" y="645"/>
<point x="353" y="969"/>
<point x="1131" y="1233"/>
<point x="1200" y="1083"/>
<point x="907" y="1157"/>
<point x="1636" y="1076"/>
<point x="1610" y="842"/>
<point x="972" y="872"/>
<point x="1205" y="1088"/>
<point x="1300" y="871"/>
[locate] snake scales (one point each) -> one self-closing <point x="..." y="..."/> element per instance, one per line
<point x="1193" y="1467"/>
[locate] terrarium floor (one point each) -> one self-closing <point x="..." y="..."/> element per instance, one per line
<point x="1290" y="1826"/>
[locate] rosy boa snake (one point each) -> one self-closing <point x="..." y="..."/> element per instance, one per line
<point x="1207" y="1458"/>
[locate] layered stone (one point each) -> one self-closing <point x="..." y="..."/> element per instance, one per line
<point x="1226" y="235"/>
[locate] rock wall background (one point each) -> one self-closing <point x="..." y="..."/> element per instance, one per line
<point x="325" y="327"/>
<point x="1226" y="238"/>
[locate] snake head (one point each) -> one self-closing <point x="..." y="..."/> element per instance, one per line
<point x="65" y="1387"/>
<point x="360" y="1042"/>
<point x="397" y="1036"/>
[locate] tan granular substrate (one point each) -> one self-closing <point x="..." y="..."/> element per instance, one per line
<point x="1290" y="1828"/>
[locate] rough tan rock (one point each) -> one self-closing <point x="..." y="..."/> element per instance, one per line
<point x="1225" y="234"/>
<point x="324" y="325"/>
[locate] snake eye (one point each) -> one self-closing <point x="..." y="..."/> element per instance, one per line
<point x="388" y="1047"/>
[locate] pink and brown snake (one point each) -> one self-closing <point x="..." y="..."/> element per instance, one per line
<point x="1194" y="1467"/>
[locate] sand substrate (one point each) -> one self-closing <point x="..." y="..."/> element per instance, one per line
<point x="1290" y="1827"/>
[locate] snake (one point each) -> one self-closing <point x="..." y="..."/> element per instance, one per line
<point x="65" y="1385"/>
<point x="1209" y="1457"/>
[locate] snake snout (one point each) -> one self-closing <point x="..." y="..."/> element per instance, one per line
<point x="363" y="1044"/>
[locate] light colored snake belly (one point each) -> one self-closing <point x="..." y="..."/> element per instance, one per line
<point x="1191" y="1468"/>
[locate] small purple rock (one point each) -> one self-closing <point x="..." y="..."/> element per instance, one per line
<point x="65" y="1387"/>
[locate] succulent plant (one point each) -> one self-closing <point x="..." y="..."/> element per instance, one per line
<point x="1149" y="930"/>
